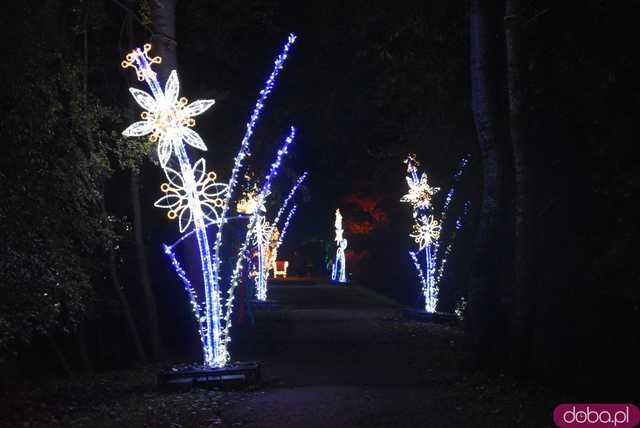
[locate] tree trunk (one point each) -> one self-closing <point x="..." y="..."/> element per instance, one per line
<point x="141" y="250"/>
<point x="126" y="309"/>
<point x="523" y="248"/>
<point x="80" y="337"/>
<point x="143" y="268"/>
<point x="163" y="15"/>
<point x="484" y="315"/>
<point x="64" y="364"/>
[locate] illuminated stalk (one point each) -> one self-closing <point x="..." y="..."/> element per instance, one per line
<point x="292" y="192"/>
<point x="416" y="263"/>
<point x="244" y="145"/>
<point x="430" y="298"/>
<point x="286" y="225"/>
<point x="213" y="351"/>
<point x="261" y="289"/>
<point x="235" y="281"/>
<point x="191" y="293"/>
<point x="261" y="282"/>
<point x="456" y="177"/>
<point x="443" y="259"/>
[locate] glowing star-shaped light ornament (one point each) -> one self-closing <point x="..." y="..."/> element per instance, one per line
<point x="425" y="231"/>
<point x="167" y="118"/>
<point x="420" y="192"/>
<point x="206" y="192"/>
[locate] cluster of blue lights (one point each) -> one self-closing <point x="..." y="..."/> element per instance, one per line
<point x="262" y="232"/>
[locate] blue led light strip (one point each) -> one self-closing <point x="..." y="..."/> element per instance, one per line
<point x="286" y="226"/>
<point x="442" y="261"/>
<point x="261" y="278"/>
<point x="191" y="293"/>
<point x="244" y="145"/>
<point x="292" y="192"/>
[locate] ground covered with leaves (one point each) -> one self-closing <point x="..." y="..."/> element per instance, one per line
<point x="330" y="357"/>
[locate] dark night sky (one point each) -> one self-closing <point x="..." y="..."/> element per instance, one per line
<point x="364" y="86"/>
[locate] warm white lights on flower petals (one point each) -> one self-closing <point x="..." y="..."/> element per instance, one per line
<point x="178" y="198"/>
<point x="420" y="192"/>
<point x="138" y="129"/>
<point x="168" y="118"/>
<point x="425" y="231"/>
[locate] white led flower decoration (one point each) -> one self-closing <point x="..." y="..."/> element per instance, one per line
<point x="420" y="192"/>
<point x="207" y="193"/>
<point x="425" y="231"/>
<point x="167" y="118"/>
<point x="262" y="232"/>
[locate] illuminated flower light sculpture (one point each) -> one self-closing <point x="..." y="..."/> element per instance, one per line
<point x="339" y="269"/>
<point x="262" y="230"/>
<point x="427" y="228"/>
<point x="278" y="235"/>
<point x="266" y="248"/>
<point x="192" y="195"/>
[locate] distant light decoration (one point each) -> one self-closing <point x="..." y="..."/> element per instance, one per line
<point x="280" y="268"/>
<point x="272" y="250"/>
<point x="427" y="230"/>
<point x="339" y="269"/>
<point x="192" y="195"/>
<point x="249" y="204"/>
<point x="278" y="236"/>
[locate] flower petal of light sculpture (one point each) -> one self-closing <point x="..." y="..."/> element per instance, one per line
<point x="166" y="117"/>
<point x="426" y="231"/>
<point x="207" y="194"/>
<point x="420" y="192"/>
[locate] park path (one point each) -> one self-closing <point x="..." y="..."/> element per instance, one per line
<point x="333" y="356"/>
<point x="337" y="356"/>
